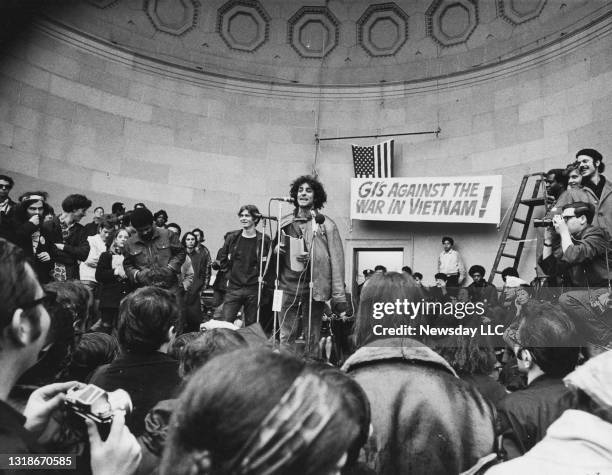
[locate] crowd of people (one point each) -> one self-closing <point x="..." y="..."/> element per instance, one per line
<point x="208" y="378"/>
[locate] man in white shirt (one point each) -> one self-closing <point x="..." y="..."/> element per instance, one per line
<point x="451" y="264"/>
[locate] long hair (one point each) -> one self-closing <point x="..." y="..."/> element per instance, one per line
<point x="225" y="403"/>
<point x="376" y="292"/>
<point x="320" y="197"/>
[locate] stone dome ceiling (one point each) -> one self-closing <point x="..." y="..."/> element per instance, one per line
<point x="334" y="43"/>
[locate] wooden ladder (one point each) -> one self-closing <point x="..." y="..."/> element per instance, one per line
<point x="511" y="233"/>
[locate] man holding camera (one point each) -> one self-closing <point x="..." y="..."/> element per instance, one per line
<point x="24" y="324"/>
<point x="584" y="254"/>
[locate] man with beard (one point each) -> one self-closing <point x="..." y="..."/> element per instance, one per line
<point x="152" y="252"/>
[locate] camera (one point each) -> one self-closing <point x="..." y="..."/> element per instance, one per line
<point x="98" y="405"/>
<point x="543" y="223"/>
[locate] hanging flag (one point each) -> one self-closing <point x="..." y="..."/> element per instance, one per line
<point x="375" y="161"/>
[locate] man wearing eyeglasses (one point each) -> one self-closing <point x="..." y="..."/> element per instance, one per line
<point x="24" y="324"/>
<point x="583" y="247"/>
<point x="586" y="256"/>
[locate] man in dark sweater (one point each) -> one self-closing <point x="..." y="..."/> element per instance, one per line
<point x="547" y="354"/>
<point x="146" y="327"/>
<point x="240" y="262"/>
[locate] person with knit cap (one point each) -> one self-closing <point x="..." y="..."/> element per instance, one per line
<point x="152" y="251"/>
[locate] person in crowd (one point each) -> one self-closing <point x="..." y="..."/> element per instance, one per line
<point x="7" y="205"/>
<point x="480" y="290"/>
<point x="380" y="269"/>
<point x="580" y="440"/>
<point x="240" y="261"/>
<point x="152" y="247"/>
<point x="27" y="225"/>
<point x="140" y="206"/>
<point x="146" y="327"/>
<point x="192" y="300"/>
<point x="407" y="270"/>
<point x="367" y="273"/>
<point x="202" y="249"/>
<point x="575" y="191"/>
<point x="25" y="324"/>
<point x="292" y="418"/>
<point x="591" y="168"/>
<point x="418" y="278"/>
<point x="444" y="425"/>
<point x="68" y="238"/>
<point x="586" y="257"/>
<point x="98" y="244"/>
<point x="440" y="292"/>
<point x="547" y="352"/>
<point x="67" y="310"/>
<point x="322" y="243"/>
<point x="114" y="283"/>
<point x="175" y="228"/>
<point x="451" y="263"/>
<point x="92" y="228"/>
<point x="94" y="350"/>
<point x="161" y="218"/>
<point x="555" y="181"/>
<point x="473" y="358"/>
<point x="118" y="210"/>
<point x="198" y="350"/>
<point x="584" y="248"/>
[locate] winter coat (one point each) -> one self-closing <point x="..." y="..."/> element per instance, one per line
<point x="425" y="419"/>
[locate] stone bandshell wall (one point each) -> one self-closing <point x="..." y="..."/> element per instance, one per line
<point x="78" y="114"/>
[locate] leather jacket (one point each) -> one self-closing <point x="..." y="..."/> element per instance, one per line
<point x="229" y="249"/>
<point x="425" y="419"/>
<point x="162" y="250"/>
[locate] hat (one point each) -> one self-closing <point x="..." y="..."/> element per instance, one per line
<point x="590" y="152"/>
<point x="594" y="378"/>
<point x="141" y="217"/>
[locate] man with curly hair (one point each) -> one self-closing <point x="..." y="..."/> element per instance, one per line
<point x="322" y="249"/>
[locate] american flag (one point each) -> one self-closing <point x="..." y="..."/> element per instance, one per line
<point x="375" y="161"/>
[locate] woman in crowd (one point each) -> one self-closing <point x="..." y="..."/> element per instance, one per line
<point x="425" y="419"/>
<point x="28" y="218"/>
<point x="114" y="284"/>
<point x="260" y="412"/>
<point x="193" y="311"/>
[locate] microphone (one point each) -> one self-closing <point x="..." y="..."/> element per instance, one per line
<point x="263" y="216"/>
<point x="319" y="219"/>
<point x="283" y="198"/>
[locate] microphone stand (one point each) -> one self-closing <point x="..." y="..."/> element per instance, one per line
<point x="310" y="285"/>
<point x="261" y="259"/>
<point x="278" y="238"/>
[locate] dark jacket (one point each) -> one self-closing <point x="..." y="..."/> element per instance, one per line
<point x="148" y="379"/>
<point x="425" y="419"/>
<point x="203" y="251"/>
<point x="584" y="260"/>
<point x="112" y="287"/>
<point x="483" y="291"/>
<point x="525" y="415"/>
<point x="76" y="246"/>
<point x="229" y="249"/>
<point x="163" y="250"/>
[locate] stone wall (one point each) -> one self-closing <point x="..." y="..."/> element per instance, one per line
<point x="80" y="115"/>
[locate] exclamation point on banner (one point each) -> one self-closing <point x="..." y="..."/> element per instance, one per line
<point x="485" y="200"/>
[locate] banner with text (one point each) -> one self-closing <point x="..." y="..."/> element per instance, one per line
<point x="458" y="199"/>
